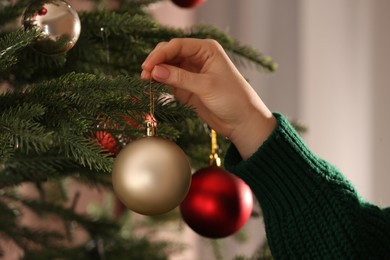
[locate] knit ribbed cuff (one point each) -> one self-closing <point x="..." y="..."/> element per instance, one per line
<point x="283" y="173"/>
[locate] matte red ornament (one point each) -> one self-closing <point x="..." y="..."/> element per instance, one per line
<point x="188" y="3"/>
<point x="218" y="203"/>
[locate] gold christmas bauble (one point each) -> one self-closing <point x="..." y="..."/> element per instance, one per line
<point x="58" y="22"/>
<point x="151" y="176"/>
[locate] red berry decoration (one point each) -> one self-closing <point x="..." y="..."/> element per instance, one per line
<point x="188" y="3"/>
<point x="218" y="203"/>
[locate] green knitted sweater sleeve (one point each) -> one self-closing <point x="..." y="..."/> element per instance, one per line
<point x="310" y="210"/>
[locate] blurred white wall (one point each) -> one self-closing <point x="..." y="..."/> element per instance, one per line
<point x="336" y="86"/>
<point x="344" y="78"/>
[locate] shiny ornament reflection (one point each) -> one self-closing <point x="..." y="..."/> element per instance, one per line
<point x="218" y="203"/>
<point x="151" y="176"/>
<point x="58" y="23"/>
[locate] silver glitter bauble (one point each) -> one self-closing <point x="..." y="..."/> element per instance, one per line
<point x="151" y="175"/>
<point x="58" y="23"/>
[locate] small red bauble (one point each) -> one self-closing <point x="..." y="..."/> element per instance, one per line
<point x="42" y="11"/>
<point x="188" y="3"/>
<point x="218" y="203"/>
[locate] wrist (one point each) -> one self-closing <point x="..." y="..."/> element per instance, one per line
<point x="249" y="136"/>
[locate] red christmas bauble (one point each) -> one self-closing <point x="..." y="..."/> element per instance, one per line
<point x="42" y="11"/>
<point x="111" y="143"/>
<point x="188" y="3"/>
<point x="218" y="203"/>
<point x="108" y="142"/>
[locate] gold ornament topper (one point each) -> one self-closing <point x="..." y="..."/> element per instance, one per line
<point x="214" y="157"/>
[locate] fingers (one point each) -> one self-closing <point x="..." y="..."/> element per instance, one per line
<point x="158" y="46"/>
<point x="173" y="51"/>
<point x="145" y="74"/>
<point x="179" y="78"/>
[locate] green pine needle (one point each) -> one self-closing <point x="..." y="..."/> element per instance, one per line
<point x="11" y="45"/>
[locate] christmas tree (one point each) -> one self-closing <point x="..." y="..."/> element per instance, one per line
<point x="64" y="115"/>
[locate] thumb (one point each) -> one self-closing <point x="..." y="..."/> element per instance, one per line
<point x="177" y="77"/>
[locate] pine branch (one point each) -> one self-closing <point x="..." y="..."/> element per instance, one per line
<point x="80" y="99"/>
<point x="23" y="236"/>
<point x="50" y="243"/>
<point x="38" y="167"/>
<point x="86" y="152"/>
<point x="47" y="167"/>
<point x="115" y="248"/>
<point x="115" y="41"/>
<point x="8" y="215"/>
<point x="241" y="54"/>
<point x="11" y="45"/>
<point x="10" y="12"/>
<point x="87" y="92"/>
<point x="103" y="227"/>
<point x="107" y="230"/>
<point x="117" y="24"/>
<point x="20" y="124"/>
<point x="247" y="56"/>
<point x="35" y="67"/>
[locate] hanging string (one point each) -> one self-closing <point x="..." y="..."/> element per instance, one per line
<point x="151" y="104"/>
<point x="151" y="124"/>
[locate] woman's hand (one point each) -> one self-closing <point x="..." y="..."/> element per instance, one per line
<point x="203" y="77"/>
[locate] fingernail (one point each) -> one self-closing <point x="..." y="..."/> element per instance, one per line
<point x="143" y="74"/>
<point x="143" y="64"/>
<point x="160" y="72"/>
